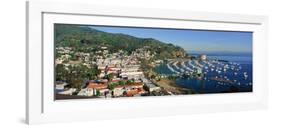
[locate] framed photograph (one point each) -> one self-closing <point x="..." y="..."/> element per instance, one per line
<point x="92" y="62"/>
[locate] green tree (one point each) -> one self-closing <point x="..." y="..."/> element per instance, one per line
<point x="110" y="77"/>
<point x="130" y="82"/>
<point x="122" y="83"/>
<point x="93" y="72"/>
<point x="112" y="86"/>
<point x="98" y="93"/>
<point x="61" y="73"/>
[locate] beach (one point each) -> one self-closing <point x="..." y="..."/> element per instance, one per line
<point x="171" y="86"/>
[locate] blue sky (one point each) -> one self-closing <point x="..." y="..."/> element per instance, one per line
<point x="192" y="40"/>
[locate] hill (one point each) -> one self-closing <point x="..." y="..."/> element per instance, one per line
<point x="86" y="38"/>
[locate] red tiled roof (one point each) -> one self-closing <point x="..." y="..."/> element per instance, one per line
<point x="119" y="86"/>
<point x="139" y="84"/>
<point x="140" y="89"/>
<point x="132" y="92"/>
<point x="113" y="81"/>
<point x="97" y="86"/>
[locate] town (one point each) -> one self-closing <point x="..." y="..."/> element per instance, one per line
<point x="117" y="74"/>
<point x="91" y="62"/>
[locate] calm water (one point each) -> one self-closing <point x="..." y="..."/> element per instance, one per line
<point x="207" y="85"/>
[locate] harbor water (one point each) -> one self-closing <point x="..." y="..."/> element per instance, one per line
<point x="222" y="73"/>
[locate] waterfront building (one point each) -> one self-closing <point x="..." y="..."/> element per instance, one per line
<point x="151" y="87"/>
<point x="203" y="57"/>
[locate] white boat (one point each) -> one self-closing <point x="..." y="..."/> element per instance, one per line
<point x="186" y="67"/>
<point x="169" y="67"/>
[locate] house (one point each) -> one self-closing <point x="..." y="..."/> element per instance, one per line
<point x="118" y="91"/>
<point x="101" y="87"/>
<point x="151" y="87"/>
<point x="134" y="92"/>
<point x="60" y="85"/>
<point x="132" y="75"/>
<point x="68" y="92"/>
<point x="97" y="86"/>
<point x="131" y="93"/>
<point x="129" y="89"/>
<point x="103" y="47"/>
<point x="86" y="92"/>
<point x="135" y="85"/>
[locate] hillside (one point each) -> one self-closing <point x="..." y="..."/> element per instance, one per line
<point x="81" y="37"/>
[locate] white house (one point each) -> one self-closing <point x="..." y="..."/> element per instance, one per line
<point x="118" y="91"/>
<point x="151" y="87"/>
<point x="86" y="92"/>
<point x="60" y="85"/>
<point x="68" y="92"/>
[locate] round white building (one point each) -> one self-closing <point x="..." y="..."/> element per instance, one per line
<point x="203" y="57"/>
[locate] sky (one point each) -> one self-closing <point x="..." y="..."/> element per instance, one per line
<point x="191" y="40"/>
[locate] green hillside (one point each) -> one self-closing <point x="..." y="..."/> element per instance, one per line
<point x="85" y="38"/>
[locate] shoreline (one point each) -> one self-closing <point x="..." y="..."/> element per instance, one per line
<point x="171" y="86"/>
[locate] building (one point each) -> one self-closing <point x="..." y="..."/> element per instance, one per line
<point x="68" y="92"/>
<point x="135" y="85"/>
<point x="132" y="75"/>
<point x="61" y="85"/>
<point x="97" y="86"/>
<point x="101" y="87"/>
<point x="86" y="92"/>
<point x="129" y="89"/>
<point x="151" y="87"/>
<point x="134" y="92"/>
<point x="203" y="57"/>
<point x="118" y="91"/>
<point x="131" y="93"/>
